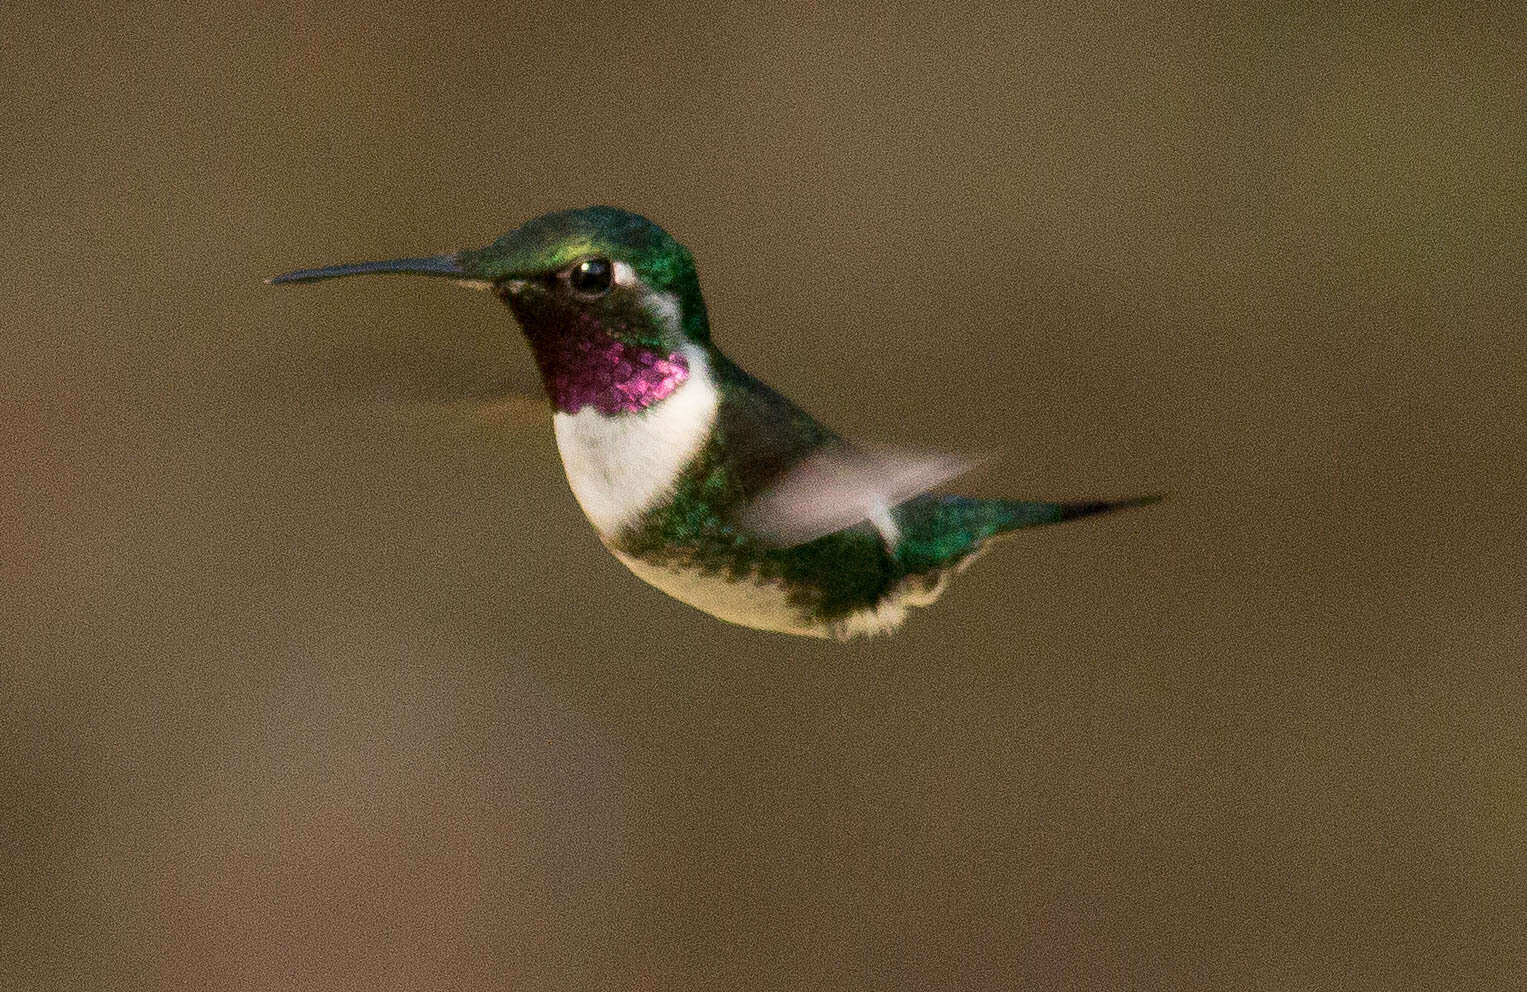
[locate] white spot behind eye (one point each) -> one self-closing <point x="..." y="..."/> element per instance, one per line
<point x="665" y="307"/>
<point x="624" y="274"/>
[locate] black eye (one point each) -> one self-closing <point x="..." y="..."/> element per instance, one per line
<point x="592" y="276"/>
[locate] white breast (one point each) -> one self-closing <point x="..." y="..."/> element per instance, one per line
<point x="619" y="465"/>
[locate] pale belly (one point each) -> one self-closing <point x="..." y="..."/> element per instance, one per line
<point x="765" y="605"/>
<point x="761" y="605"/>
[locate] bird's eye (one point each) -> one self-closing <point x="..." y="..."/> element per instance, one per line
<point x="592" y="276"/>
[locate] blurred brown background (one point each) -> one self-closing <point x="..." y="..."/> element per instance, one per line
<point x="314" y="680"/>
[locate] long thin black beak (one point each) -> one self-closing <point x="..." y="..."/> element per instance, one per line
<point x="436" y="265"/>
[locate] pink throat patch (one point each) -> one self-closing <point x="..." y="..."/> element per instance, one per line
<point x="589" y="368"/>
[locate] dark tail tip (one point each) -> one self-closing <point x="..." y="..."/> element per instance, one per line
<point x="1071" y="511"/>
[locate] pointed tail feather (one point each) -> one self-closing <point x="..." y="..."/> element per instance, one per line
<point x="941" y="531"/>
<point x="1022" y="514"/>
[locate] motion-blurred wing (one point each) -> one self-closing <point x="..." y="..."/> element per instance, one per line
<point x="840" y="487"/>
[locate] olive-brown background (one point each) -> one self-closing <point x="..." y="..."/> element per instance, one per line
<point x="315" y="678"/>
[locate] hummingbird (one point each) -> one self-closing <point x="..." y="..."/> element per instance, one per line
<point x="701" y="479"/>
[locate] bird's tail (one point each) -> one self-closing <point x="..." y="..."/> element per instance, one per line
<point x="938" y="531"/>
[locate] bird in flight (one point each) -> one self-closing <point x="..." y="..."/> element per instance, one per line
<point x="699" y="478"/>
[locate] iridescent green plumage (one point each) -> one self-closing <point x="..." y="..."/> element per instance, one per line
<point x="675" y="453"/>
<point x="759" y="434"/>
<point x="552" y="241"/>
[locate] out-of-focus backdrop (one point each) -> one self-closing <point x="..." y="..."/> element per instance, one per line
<point x="315" y="677"/>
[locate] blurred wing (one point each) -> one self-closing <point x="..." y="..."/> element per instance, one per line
<point x="514" y="411"/>
<point x="840" y="487"/>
